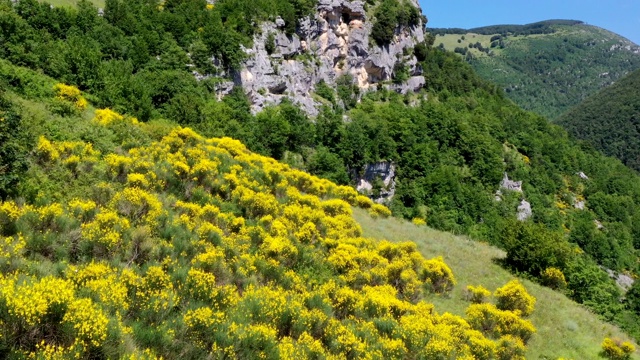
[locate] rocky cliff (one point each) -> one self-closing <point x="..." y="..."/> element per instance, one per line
<point x="335" y="41"/>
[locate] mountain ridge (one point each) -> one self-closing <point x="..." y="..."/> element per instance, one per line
<point x="569" y="62"/>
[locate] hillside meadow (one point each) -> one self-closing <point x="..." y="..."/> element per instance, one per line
<point x="564" y="328"/>
<point x="97" y="3"/>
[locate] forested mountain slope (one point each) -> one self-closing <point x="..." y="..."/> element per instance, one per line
<point x="609" y="120"/>
<point x="562" y="214"/>
<point x="545" y="67"/>
<point x="141" y="240"/>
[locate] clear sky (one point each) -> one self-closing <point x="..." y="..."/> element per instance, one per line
<point x="619" y="16"/>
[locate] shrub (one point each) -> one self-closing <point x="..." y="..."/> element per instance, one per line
<point x="419" y="221"/>
<point x="514" y="297"/>
<point x="438" y="274"/>
<point x="553" y="278"/>
<point x="324" y="91"/>
<point x="496" y="323"/>
<point x="379" y="210"/>
<point x="615" y="349"/>
<point x="336" y="207"/>
<point x="270" y="44"/>
<point x="476" y="294"/>
<point x="510" y="348"/>
<point x="364" y="202"/>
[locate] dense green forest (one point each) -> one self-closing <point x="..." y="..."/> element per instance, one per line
<point x="547" y="72"/>
<point x="609" y="120"/>
<point x="452" y="143"/>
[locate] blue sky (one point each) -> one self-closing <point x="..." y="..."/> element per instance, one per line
<point x="619" y="16"/>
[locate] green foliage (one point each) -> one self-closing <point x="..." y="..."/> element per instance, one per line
<point x="608" y="120"/>
<point x="389" y="15"/>
<point x="348" y="91"/>
<point x="328" y="165"/>
<point x="532" y="248"/>
<point x="270" y="43"/>
<point x="400" y="73"/>
<point x="633" y="297"/>
<point x="14" y="146"/>
<point x="325" y="91"/>
<point x="279" y="129"/>
<point x="541" y="27"/>
<point x="451" y="147"/>
<point x="127" y="56"/>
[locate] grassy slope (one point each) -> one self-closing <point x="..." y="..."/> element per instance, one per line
<point x="565" y="329"/>
<point x="568" y="66"/>
<point x="450" y="42"/>
<point x="98" y="3"/>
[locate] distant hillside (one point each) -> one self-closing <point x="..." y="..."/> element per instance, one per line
<point x="546" y="67"/>
<point x="610" y="120"/>
<point x="541" y="27"/>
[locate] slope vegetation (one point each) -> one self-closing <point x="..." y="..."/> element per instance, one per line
<point x="452" y="142"/>
<point x="610" y="120"/>
<point x="142" y="240"/>
<point x="546" y="67"/>
<point x="174" y="245"/>
<point x="564" y="330"/>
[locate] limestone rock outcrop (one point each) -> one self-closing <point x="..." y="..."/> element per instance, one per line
<point x="335" y="41"/>
<point x="378" y="181"/>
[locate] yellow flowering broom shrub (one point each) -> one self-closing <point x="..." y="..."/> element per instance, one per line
<point x="514" y="297"/>
<point x="476" y="294"/>
<point x="615" y="349"/>
<point x="495" y="322"/>
<point x="70" y="94"/>
<point x="553" y="278"/>
<point x="223" y="253"/>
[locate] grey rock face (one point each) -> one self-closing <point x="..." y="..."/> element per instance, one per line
<point x="331" y="43"/>
<point x="384" y="171"/>
<point x="510" y="184"/>
<point x="524" y="211"/>
<point x="623" y="280"/>
<point x="414" y="83"/>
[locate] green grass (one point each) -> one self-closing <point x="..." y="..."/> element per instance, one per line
<point x="450" y="42"/>
<point x="565" y="329"/>
<point x="97" y="3"/>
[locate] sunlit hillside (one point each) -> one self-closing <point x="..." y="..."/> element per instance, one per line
<point x="152" y="206"/>
<point x="171" y="244"/>
<point x="564" y="330"/>
<point x="547" y="67"/>
<point x="177" y="245"/>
